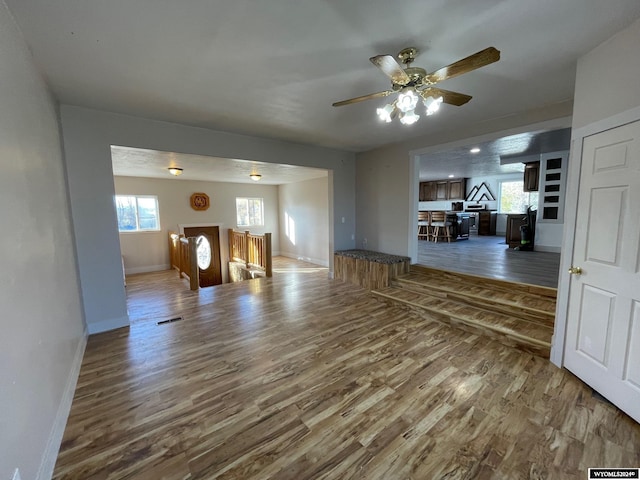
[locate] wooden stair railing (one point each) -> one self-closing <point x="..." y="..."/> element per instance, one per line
<point x="184" y="258"/>
<point x="252" y="250"/>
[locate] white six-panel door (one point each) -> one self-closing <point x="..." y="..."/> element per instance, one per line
<point x="602" y="344"/>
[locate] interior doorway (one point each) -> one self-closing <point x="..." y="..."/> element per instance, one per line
<point x="208" y="252"/>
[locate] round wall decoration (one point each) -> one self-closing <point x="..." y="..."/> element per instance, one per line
<point x="199" y="201"/>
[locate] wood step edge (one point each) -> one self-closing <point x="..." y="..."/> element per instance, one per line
<point x="509" y="285"/>
<point x="479" y="297"/>
<point x="527" y="318"/>
<point x="467" y="321"/>
<point x="522" y="314"/>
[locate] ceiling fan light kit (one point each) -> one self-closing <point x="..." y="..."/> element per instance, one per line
<point x="409" y="118"/>
<point x="388" y="112"/>
<point x="413" y="83"/>
<point x="407" y="100"/>
<point x="432" y="104"/>
<point x="406" y="104"/>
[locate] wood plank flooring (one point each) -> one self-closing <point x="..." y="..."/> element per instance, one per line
<point x="301" y="377"/>
<point x="489" y="256"/>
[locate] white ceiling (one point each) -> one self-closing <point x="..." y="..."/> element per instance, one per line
<point x="274" y="68"/>
<point x="501" y="156"/>
<point x="138" y="162"/>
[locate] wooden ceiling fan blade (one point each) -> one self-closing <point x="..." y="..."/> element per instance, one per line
<point x="472" y="62"/>
<point x="363" y="98"/>
<point x="391" y="68"/>
<point x="452" y="98"/>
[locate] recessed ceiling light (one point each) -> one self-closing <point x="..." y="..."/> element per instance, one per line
<point x="475" y="150"/>
<point x="451" y="176"/>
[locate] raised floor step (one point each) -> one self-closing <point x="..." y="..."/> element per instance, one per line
<point x="439" y="275"/>
<point x="525" y="305"/>
<point x="514" y="314"/>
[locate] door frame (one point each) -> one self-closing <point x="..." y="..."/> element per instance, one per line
<point x="224" y="253"/>
<point x="570" y="215"/>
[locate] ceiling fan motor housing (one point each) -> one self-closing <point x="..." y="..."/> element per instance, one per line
<point x="416" y="75"/>
<point x="408" y="55"/>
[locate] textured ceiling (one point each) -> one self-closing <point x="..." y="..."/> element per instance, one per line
<point x="137" y="162"/>
<point x="500" y="156"/>
<point x="274" y="68"/>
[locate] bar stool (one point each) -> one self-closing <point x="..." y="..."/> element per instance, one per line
<point x="423" y="225"/>
<point x="440" y="226"/>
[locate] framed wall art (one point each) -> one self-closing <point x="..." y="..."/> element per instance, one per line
<point x="200" y="201"/>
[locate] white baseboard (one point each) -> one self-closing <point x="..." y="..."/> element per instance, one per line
<point x="106" y="325"/>
<point x="315" y="261"/>
<point x="546" y="248"/>
<point x="147" y="269"/>
<point x="48" y="463"/>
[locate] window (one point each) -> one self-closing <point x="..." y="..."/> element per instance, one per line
<point x="250" y="212"/>
<point x="137" y="213"/>
<point x="514" y="200"/>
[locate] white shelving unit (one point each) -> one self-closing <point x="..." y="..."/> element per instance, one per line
<point x="553" y="180"/>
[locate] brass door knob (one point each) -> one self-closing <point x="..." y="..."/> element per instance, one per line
<point x="575" y="271"/>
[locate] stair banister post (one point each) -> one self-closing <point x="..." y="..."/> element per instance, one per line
<point x="267" y="253"/>
<point x="194" y="281"/>
<point x="181" y="255"/>
<point x="246" y="248"/>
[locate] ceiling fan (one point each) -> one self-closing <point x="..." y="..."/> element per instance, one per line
<point x="414" y="83"/>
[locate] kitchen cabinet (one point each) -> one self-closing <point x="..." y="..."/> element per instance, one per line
<point x="514" y="221"/>
<point x="487" y="223"/>
<point x="427" y="191"/>
<point x="456" y="189"/>
<point x="531" y="177"/>
<point x="442" y="190"/>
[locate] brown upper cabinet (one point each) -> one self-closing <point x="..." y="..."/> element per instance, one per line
<point x="443" y="190"/>
<point x="457" y="189"/>
<point x="531" y="177"/>
<point x="427" y="191"/>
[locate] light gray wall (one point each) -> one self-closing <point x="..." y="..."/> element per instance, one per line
<point x="304" y="220"/>
<point x="382" y="200"/>
<point x="607" y="78"/>
<point x="43" y="337"/>
<point x="88" y="135"/>
<point x="386" y="178"/>
<point x="149" y="251"/>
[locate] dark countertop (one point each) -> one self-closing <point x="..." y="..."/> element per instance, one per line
<point x="371" y="256"/>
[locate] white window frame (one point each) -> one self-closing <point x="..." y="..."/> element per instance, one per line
<point x="250" y="224"/>
<point x="138" y="229"/>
